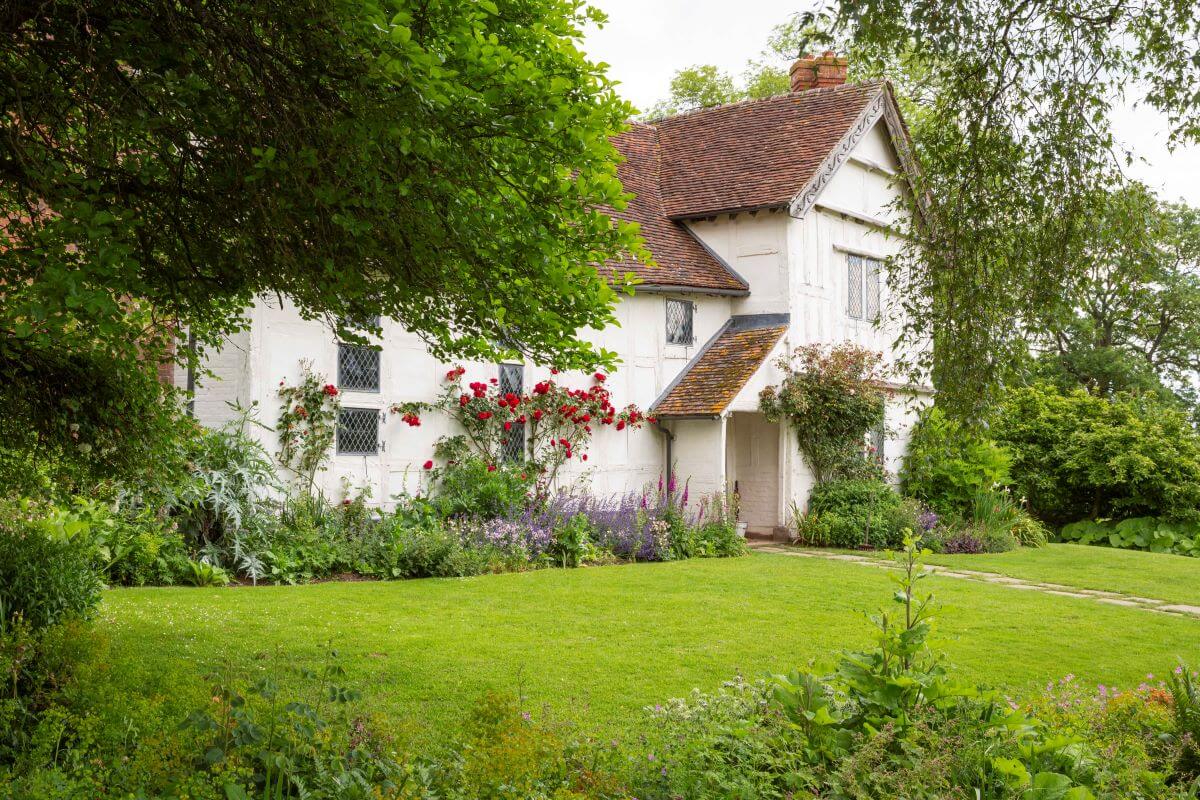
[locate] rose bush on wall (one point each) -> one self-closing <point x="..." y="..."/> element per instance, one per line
<point x="307" y="424"/>
<point x="832" y="397"/>
<point x="557" y="423"/>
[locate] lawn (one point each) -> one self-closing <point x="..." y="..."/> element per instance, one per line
<point x="1156" y="575"/>
<point x="598" y="644"/>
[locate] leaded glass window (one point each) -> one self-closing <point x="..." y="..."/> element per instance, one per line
<point x="854" y="286"/>
<point x="358" y="368"/>
<point x="878" y="440"/>
<point x="872" y="292"/>
<point x="679" y="322"/>
<point x="512" y="381"/>
<point x="862" y="287"/>
<point x="358" y="431"/>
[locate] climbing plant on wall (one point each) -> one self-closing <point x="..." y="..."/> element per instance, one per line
<point x="545" y="428"/>
<point x="831" y="396"/>
<point x="307" y="424"/>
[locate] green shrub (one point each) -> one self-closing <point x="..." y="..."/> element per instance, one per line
<point x="854" y="512"/>
<point x="1137" y="533"/>
<point x="946" y="464"/>
<point x="474" y="488"/>
<point x="47" y="565"/>
<point x="1077" y="456"/>
<point x="37" y="664"/>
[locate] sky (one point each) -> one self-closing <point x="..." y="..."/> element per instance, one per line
<point x="645" y="41"/>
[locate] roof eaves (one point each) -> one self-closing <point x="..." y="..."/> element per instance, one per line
<point x="872" y="111"/>
<point x="716" y="257"/>
<point x="689" y="289"/>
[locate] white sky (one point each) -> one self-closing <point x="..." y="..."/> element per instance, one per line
<point x="645" y="41"/>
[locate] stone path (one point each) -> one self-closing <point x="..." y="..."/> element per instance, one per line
<point x="1096" y="595"/>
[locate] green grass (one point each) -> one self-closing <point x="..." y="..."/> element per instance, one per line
<point x="1154" y="575"/>
<point x="598" y="644"/>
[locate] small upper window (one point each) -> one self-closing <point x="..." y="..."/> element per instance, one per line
<point x="679" y="322"/>
<point x="862" y="287"/>
<point x="357" y="431"/>
<point x="358" y="368"/>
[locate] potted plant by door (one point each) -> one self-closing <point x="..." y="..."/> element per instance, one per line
<point x="735" y="510"/>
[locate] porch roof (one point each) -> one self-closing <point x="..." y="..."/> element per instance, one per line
<point x="711" y="380"/>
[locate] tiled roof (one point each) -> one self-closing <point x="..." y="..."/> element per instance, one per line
<point x="680" y="260"/>
<point x="710" y="382"/>
<point x="754" y="154"/>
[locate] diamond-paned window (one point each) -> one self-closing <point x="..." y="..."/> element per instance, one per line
<point x="358" y="368"/>
<point x="512" y="379"/>
<point x="358" y="432"/>
<point x="679" y="322"/>
<point x="854" y="286"/>
<point x="862" y="287"/>
<point x="872" y="267"/>
<point x="878" y="442"/>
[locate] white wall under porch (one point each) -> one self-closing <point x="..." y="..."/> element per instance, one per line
<point x="754" y="468"/>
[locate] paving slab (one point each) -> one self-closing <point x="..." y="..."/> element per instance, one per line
<point x="976" y="576"/>
<point x="1179" y="608"/>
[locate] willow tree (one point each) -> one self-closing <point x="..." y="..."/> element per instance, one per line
<point x="1012" y="131"/>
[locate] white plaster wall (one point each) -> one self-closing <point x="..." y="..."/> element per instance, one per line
<point x="755" y="246"/>
<point x="618" y="460"/>
<point x="699" y="455"/>
<point x="752" y="467"/>
<point x="230" y="383"/>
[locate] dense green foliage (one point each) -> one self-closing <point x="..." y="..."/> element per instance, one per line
<point x="1075" y="455"/>
<point x="1132" y="323"/>
<point x="1010" y="123"/>
<point x="831" y="398"/>
<point x="947" y="463"/>
<point x="859" y="512"/>
<point x="1137" y="533"/>
<point x="46" y="565"/>
<point x="442" y="164"/>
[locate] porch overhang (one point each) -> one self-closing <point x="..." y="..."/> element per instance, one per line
<point x="714" y="377"/>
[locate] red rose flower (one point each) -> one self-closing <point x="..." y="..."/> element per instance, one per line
<point x="584" y="456"/>
<point x="428" y="464"/>
<point x="491" y="467"/>
<point x="484" y="415"/>
<point x="508" y="426"/>
<point x="600" y="377"/>
<point x="620" y="424"/>
<point x="537" y="413"/>
<point x="462" y="401"/>
<point x="330" y="390"/>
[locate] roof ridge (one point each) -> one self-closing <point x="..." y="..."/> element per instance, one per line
<point x="873" y="83"/>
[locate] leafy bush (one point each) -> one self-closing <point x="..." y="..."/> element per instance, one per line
<point x="855" y="512"/>
<point x="1137" y="533"/>
<point x="1078" y="456"/>
<point x="47" y="565"/>
<point x="947" y="464"/>
<point x="474" y="488"/>
<point x="831" y="397"/>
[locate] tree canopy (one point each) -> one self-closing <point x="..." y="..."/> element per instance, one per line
<point x="443" y="163"/>
<point x="1017" y="155"/>
<point x="1133" y="321"/>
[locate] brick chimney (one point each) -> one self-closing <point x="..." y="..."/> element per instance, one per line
<point x="827" y="69"/>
